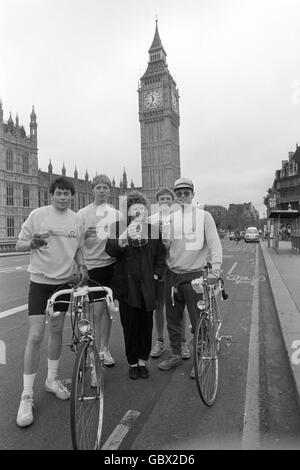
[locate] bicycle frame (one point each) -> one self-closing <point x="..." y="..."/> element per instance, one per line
<point x="87" y="385"/>
<point x="80" y="296"/>
<point x="205" y="306"/>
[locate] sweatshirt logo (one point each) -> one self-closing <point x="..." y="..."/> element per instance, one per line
<point x="62" y="233"/>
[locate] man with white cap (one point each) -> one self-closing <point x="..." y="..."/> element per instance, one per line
<point x="191" y="236"/>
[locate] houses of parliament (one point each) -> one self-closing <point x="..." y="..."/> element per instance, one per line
<point x="24" y="187"/>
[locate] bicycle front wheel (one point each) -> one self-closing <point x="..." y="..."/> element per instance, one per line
<point x="206" y="360"/>
<point x="87" y="399"/>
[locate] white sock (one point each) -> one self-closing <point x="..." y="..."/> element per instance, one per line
<point x="52" y="369"/>
<point x="28" y="380"/>
<point x="141" y="362"/>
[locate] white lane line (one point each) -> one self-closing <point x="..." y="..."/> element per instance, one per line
<point x="11" y="311"/>
<point x="232" y="268"/>
<point x="120" y="431"/>
<point x="251" y="438"/>
<point x="13" y="268"/>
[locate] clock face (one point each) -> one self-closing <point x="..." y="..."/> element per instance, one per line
<point x="174" y="102"/>
<point x="153" y="99"/>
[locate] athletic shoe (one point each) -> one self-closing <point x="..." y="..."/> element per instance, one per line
<point x="134" y="372"/>
<point x="185" y="352"/>
<point x="58" y="388"/>
<point x="107" y="358"/>
<point x="157" y="349"/>
<point x="192" y="374"/>
<point x="25" y="412"/>
<point x="173" y="360"/>
<point x="143" y="371"/>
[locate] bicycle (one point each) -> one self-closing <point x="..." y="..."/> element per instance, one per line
<point x="87" y="389"/>
<point x="207" y="339"/>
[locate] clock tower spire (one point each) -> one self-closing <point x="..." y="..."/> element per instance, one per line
<point x="159" y="122"/>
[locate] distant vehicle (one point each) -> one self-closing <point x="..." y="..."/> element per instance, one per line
<point x="251" y="235"/>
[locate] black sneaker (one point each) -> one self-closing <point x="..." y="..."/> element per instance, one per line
<point x="144" y="372"/>
<point x="134" y="372"/>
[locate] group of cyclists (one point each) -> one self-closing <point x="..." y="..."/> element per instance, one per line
<point x="141" y="255"/>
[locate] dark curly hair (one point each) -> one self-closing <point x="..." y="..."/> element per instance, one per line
<point x="62" y="183"/>
<point x="136" y="197"/>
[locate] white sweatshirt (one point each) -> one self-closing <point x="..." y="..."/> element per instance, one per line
<point x="54" y="263"/>
<point x="193" y="237"/>
<point x="96" y="222"/>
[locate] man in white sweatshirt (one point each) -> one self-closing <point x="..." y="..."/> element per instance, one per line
<point x="191" y="236"/>
<point x="54" y="237"/>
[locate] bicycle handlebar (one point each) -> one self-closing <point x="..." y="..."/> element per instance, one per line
<point x="81" y="291"/>
<point x="204" y="271"/>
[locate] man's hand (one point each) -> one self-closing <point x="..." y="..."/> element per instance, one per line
<point x="39" y="241"/>
<point x="83" y="274"/>
<point x="213" y="276"/>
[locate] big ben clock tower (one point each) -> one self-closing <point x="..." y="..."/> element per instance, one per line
<point x="159" y="120"/>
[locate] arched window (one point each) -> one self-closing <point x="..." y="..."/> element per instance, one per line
<point x="25" y="163"/>
<point x="9" y="160"/>
<point x="46" y="199"/>
<point x="9" y="195"/>
<point x="25" y="196"/>
<point x="10" y="227"/>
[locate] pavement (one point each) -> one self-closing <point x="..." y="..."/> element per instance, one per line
<point x="283" y="266"/>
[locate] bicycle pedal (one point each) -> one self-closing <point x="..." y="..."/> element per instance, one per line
<point x="227" y="340"/>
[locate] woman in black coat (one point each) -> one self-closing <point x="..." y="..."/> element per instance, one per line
<point x="140" y="259"/>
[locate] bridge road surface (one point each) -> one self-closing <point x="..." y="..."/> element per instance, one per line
<point x="165" y="411"/>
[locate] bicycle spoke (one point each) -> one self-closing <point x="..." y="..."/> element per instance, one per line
<point x="206" y="360"/>
<point x="86" y="400"/>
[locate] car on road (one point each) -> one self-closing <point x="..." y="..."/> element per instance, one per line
<point x="251" y="235"/>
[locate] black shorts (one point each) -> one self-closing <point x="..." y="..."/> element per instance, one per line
<point x="101" y="276"/>
<point x="39" y="295"/>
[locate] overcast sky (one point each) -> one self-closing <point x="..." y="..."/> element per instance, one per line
<point x="236" y="64"/>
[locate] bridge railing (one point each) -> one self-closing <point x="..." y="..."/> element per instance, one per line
<point x="7" y="246"/>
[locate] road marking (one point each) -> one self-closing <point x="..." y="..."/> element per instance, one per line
<point x="251" y="439"/>
<point x="232" y="268"/>
<point x="11" y="311"/>
<point x="245" y="279"/>
<point x="115" y="439"/>
<point x="13" y="268"/>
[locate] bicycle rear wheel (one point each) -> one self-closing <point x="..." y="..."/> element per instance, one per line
<point x="206" y="360"/>
<point x="87" y="399"/>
